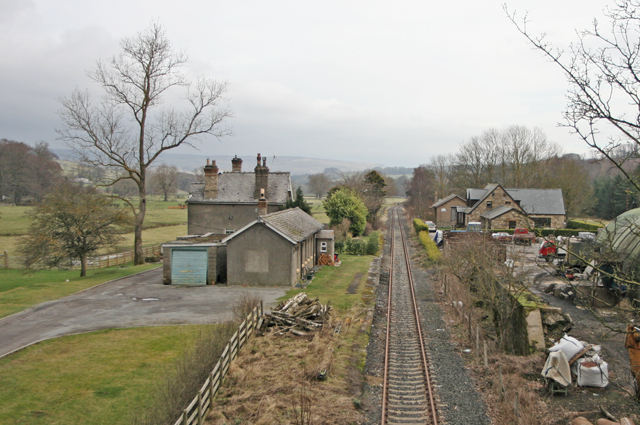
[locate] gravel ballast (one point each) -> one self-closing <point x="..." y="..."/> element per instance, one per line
<point x="459" y="401"/>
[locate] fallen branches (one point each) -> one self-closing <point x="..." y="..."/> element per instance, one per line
<point x="298" y="316"/>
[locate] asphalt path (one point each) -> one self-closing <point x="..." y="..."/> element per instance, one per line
<point x="138" y="300"/>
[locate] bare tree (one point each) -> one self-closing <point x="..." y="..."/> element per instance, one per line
<point x="603" y="104"/>
<point x="127" y="131"/>
<point x="319" y="184"/>
<point x="164" y="179"/>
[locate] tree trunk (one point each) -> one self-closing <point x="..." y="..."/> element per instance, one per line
<point x="139" y="220"/>
<point x="83" y="265"/>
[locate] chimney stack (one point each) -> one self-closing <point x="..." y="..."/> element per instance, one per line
<point x="262" y="178"/>
<point x="210" y="180"/>
<point x="262" y="203"/>
<point x="236" y="165"/>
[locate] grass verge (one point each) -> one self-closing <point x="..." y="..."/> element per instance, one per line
<point x="101" y="377"/>
<point x="20" y="290"/>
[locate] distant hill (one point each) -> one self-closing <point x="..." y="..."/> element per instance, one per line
<point x="293" y="164"/>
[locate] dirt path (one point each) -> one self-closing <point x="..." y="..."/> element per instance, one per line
<point x="139" y="300"/>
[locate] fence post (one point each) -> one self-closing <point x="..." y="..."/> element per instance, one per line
<point x="211" y="385"/>
<point x="185" y="417"/>
<point x="200" y="422"/>
<point x="6" y="259"/>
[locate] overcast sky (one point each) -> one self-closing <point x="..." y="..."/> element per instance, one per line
<point x="391" y="83"/>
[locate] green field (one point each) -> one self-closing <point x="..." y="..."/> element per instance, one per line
<point x="95" y="378"/>
<point x="161" y="225"/>
<point x="20" y="290"/>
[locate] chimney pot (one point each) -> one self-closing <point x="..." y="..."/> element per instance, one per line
<point x="236" y="164"/>
<point x="211" y="180"/>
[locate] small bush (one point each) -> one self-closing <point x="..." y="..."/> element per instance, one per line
<point x="340" y="246"/>
<point x="420" y="226"/>
<point x="373" y="243"/>
<point x="433" y="252"/>
<point x="244" y="305"/>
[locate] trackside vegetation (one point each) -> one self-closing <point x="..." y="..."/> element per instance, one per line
<point x="430" y="246"/>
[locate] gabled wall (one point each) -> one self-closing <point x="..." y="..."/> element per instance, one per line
<point x="497" y="198"/>
<point x="259" y="256"/>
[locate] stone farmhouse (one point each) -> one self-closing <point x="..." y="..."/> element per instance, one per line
<point x="239" y="235"/>
<point x="499" y="208"/>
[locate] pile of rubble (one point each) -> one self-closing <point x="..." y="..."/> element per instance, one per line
<point x="298" y="316"/>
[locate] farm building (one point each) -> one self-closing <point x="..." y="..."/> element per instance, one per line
<point x="499" y="208"/>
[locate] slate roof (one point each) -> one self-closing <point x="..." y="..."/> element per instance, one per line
<point x="497" y="212"/>
<point x="539" y="201"/>
<point x="447" y="199"/>
<point x="238" y="188"/>
<point x="293" y="224"/>
<point x="532" y="201"/>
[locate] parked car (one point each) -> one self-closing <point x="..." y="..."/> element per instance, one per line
<point x="503" y="237"/>
<point x="522" y="236"/>
<point x="432" y="226"/>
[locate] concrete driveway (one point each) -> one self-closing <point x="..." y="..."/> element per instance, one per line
<point x="139" y="300"/>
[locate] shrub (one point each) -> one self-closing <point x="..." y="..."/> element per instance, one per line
<point x="420" y="226"/>
<point x="361" y="246"/>
<point x="430" y="246"/>
<point x="373" y="243"/>
<point x="244" y="305"/>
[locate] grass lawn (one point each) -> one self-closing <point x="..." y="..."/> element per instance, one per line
<point x="95" y="378"/>
<point x="330" y="283"/>
<point x="20" y="290"/>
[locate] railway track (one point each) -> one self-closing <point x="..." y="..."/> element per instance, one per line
<point x="407" y="395"/>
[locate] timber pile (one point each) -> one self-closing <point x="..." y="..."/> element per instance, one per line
<point x="298" y="315"/>
<point x="325" y="260"/>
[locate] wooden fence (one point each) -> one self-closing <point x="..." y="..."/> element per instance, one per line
<point x="197" y="410"/>
<point x="100" y="262"/>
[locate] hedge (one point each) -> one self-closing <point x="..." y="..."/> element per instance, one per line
<point x="364" y="246"/>
<point x="557" y="232"/>
<point x="433" y="252"/>
<point x="420" y="226"/>
<point x="580" y="224"/>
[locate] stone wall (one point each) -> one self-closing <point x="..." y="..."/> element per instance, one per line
<point x="497" y="198"/>
<point x="218" y="218"/>
<point x="443" y="213"/>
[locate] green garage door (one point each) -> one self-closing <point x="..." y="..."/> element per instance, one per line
<point x="189" y="266"/>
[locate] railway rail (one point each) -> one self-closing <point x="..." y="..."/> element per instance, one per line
<point x="407" y="394"/>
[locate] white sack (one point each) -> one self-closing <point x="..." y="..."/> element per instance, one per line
<point x="569" y="346"/>
<point x="596" y="376"/>
<point x="594" y="358"/>
<point x="557" y="368"/>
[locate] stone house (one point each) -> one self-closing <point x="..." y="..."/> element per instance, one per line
<point x="225" y="202"/>
<point x="444" y="212"/>
<point x="500" y="208"/>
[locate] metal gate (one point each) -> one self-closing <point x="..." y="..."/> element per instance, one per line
<point x="189" y="266"/>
